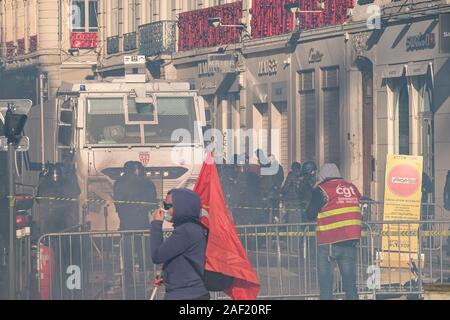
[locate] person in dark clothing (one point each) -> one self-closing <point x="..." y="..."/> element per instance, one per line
<point x="57" y="215"/>
<point x="183" y="254"/>
<point x="335" y="206"/>
<point x="427" y="212"/>
<point x="307" y="183"/>
<point x="272" y="177"/>
<point x="290" y="194"/>
<point x="133" y="186"/>
<point x="247" y="197"/>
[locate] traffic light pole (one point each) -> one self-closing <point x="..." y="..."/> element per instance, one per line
<point x="12" y="235"/>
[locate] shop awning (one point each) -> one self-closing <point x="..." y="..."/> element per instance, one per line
<point x="396" y="71"/>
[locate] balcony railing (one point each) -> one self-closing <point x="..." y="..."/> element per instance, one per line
<point x="33" y="44"/>
<point x="157" y="38"/>
<point x="129" y="41"/>
<point x="20" y="47"/>
<point x="269" y="18"/>
<point x="83" y="40"/>
<point x="195" y="32"/>
<point x="10" y="49"/>
<point x="112" y="44"/>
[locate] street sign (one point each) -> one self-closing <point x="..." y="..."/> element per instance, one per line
<point x="22" y="146"/>
<point x="133" y="60"/>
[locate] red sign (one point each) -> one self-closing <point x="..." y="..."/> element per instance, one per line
<point x="83" y="40"/>
<point x="404" y="180"/>
<point x="144" y="158"/>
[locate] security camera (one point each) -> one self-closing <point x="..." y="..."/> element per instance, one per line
<point x="214" y="22"/>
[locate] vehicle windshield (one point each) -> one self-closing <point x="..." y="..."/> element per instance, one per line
<point x="108" y="124"/>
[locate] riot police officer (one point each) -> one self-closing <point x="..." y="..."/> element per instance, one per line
<point x="133" y="187"/>
<point x="290" y="194"/>
<point x="272" y="177"/>
<point x="307" y="182"/>
<point x="56" y="195"/>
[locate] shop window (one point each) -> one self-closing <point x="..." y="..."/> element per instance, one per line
<point x="402" y="120"/>
<point x="307" y="116"/>
<point x="331" y="115"/>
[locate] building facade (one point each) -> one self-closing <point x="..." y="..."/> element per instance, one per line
<point x="349" y="85"/>
<point x="348" y="94"/>
<point x="54" y="38"/>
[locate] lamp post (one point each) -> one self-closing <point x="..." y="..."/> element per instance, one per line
<point x="217" y="23"/>
<point x="15" y="115"/>
<point x="294" y="7"/>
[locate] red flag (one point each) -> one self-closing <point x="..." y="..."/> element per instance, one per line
<point x="224" y="252"/>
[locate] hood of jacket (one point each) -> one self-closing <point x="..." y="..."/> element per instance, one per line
<point x="328" y="171"/>
<point x="186" y="206"/>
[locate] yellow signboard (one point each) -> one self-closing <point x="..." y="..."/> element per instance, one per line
<point x="402" y="202"/>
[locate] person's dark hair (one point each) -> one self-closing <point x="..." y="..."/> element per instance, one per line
<point x="296" y="166"/>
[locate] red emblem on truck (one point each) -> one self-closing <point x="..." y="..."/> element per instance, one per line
<point x="144" y="158"/>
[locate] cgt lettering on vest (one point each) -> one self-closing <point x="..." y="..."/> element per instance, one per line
<point x="346" y="191"/>
<point x="191" y="310"/>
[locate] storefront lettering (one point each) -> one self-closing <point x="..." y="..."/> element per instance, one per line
<point x="204" y="69"/>
<point x="315" y="56"/>
<point x="268" y="68"/>
<point x="208" y="85"/>
<point x="421" y="41"/>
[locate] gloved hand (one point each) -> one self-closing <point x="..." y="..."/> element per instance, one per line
<point x="158" y="281"/>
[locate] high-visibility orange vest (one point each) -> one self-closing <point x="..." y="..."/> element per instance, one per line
<point x="340" y="219"/>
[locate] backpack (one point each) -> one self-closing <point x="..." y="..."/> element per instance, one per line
<point x="447" y="192"/>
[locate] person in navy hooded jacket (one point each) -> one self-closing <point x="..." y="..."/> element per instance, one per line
<point x="183" y="254"/>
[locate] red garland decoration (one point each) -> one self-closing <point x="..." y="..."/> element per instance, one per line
<point x="194" y="31"/>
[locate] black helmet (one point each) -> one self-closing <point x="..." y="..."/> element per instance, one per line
<point x="133" y="168"/>
<point x="296" y="166"/>
<point x="309" y="168"/>
<point x="55" y="173"/>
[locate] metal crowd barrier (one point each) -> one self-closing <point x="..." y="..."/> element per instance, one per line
<point x="117" y="265"/>
<point x="95" y="265"/>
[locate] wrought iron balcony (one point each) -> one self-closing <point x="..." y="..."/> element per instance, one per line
<point x="129" y="41"/>
<point x="112" y="44"/>
<point x="157" y="38"/>
<point x="33" y="44"/>
<point x="20" y="46"/>
<point x="10" y="50"/>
